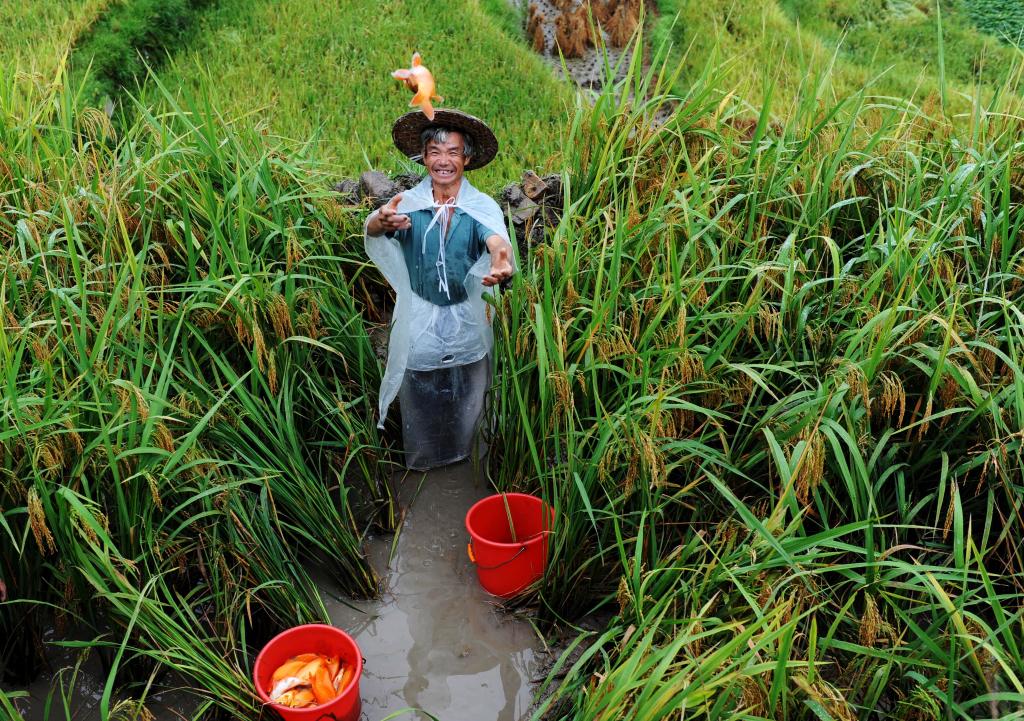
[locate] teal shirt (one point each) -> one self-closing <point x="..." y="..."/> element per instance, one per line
<point x="466" y="243"/>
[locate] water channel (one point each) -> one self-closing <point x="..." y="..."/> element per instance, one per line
<point x="434" y="640"/>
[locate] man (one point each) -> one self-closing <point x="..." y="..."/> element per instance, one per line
<point x="439" y="244"/>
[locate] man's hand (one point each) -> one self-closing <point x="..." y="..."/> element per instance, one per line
<point x="501" y="266"/>
<point x="388" y="219"/>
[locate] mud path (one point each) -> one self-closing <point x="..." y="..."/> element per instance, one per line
<point x="434" y="640"/>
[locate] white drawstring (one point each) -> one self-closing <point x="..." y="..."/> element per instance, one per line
<point x="442" y="217"/>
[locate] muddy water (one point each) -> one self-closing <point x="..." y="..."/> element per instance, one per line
<point x="77" y="696"/>
<point x="434" y="640"/>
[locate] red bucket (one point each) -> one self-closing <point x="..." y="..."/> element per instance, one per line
<point x="506" y="566"/>
<point x="311" y="638"/>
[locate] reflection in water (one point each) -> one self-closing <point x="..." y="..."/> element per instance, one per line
<point x="434" y="640"/>
<point x="75" y="686"/>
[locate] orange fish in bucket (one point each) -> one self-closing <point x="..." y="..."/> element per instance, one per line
<point x="419" y="79"/>
<point x="309" y="679"/>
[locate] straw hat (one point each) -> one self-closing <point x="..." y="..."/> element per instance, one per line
<point x="407" y="129"/>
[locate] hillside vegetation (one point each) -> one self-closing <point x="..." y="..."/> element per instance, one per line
<point x="305" y="68"/>
<point x="927" y="52"/>
<point x="37" y="34"/>
<point x="325" y="75"/>
<point x="113" y="57"/>
<point x="1003" y="19"/>
<point x="321" y="70"/>
<point x="765" y="363"/>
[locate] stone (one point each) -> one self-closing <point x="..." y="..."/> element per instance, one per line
<point x="376" y="187"/>
<point x="533" y="186"/>
<point x="552" y="193"/>
<point x="524" y="211"/>
<point x="510" y="197"/>
<point x="348" y="189"/>
<point x="404" y="181"/>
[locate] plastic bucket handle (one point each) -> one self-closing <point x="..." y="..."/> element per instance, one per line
<point x="472" y="557"/>
<point x="521" y="551"/>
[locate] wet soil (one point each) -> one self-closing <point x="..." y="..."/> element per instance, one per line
<point x="84" y="689"/>
<point x="435" y="641"/>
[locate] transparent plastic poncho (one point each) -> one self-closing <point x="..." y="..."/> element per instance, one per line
<point x="425" y="336"/>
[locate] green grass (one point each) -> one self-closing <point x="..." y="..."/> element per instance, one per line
<point x="38" y="33"/>
<point x="766" y="371"/>
<point x="117" y="48"/>
<point x="903" y="36"/>
<point x="1002" y="18"/>
<point x="773" y="50"/>
<point x="306" y="68"/>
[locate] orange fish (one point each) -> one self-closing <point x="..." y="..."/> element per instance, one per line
<point x="289" y="668"/>
<point x="332" y="664"/>
<point x="306" y="680"/>
<point x="344" y="675"/>
<point x="418" y="79"/>
<point x="323" y="689"/>
<point x="297" y="698"/>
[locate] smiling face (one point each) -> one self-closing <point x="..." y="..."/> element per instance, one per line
<point x="446" y="160"/>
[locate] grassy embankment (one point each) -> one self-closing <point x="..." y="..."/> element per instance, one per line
<point x="111" y="58"/>
<point x="776" y="49"/>
<point x="772" y="386"/>
<point x="38" y="34"/>
<point x="301" y="66"/>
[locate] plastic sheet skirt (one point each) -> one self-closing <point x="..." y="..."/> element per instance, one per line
<point x="441" y="412"/>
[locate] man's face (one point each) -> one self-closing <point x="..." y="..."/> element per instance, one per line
<point x="445" y="161"/>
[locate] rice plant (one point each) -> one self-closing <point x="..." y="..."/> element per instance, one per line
<point x="185" y="428"/>
<point x="768" y="375"/>
<point x="767" y="372"/>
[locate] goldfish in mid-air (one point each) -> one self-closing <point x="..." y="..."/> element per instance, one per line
<point x="418" y="79"/>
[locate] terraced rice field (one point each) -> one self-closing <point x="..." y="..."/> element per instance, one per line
<point x="764" y="359"/>
<point x="322" y="70"/>
<point x="38" y="34"/>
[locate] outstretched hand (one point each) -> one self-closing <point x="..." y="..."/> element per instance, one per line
<point x="390" y="219"/>
<point x="501" y="267"/>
